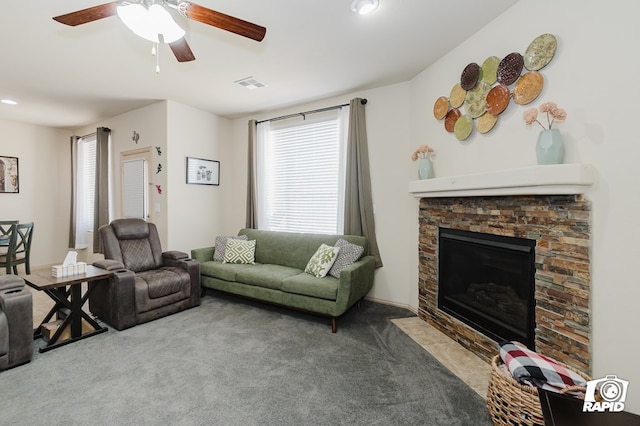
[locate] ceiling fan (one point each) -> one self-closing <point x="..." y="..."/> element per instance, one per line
<point x="144" y="17"/>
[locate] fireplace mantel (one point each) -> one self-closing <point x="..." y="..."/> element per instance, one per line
<point x="554" y="179"/>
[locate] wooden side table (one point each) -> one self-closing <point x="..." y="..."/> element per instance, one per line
<point x="66" y="292"/>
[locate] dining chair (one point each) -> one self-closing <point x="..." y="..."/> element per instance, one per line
<point x="19" y="249"/>
<point x="6" y="228"/>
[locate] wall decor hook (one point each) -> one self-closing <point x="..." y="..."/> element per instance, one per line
<point x="135" y="137"/>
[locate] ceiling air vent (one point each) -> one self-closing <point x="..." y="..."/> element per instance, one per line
<point x="250" y="83"/>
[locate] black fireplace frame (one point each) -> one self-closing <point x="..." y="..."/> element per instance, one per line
<point x="475" y="318"/>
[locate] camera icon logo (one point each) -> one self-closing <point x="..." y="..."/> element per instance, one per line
<point x="605" y="394"/>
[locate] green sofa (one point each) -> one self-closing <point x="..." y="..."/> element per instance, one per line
<point x="278" y="276"/>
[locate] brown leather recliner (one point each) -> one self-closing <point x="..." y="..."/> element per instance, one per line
<point x="16" y="322"/>
<point x="147" y="283"/>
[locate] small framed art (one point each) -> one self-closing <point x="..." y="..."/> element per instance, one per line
<point x="9" y="182"/>
<point x="203" y="172"/>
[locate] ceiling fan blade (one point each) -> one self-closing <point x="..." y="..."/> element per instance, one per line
<point x="222" y="21"/>
<point x="182" y="51"/>
<point x="88" y="15"/>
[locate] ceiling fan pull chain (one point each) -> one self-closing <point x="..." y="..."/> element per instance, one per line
<point x="157" y="58"/>
<point x="156" y="52"/>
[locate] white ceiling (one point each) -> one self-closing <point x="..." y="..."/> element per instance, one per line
<point x="69" y="77"/>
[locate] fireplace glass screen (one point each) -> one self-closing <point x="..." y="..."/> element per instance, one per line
<point x="487" y="281"/>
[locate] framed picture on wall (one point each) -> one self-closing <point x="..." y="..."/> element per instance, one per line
<point x="9" y="182"/>
<point x="203" y="172"/>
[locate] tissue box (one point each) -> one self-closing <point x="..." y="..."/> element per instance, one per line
<point x="61" y="271"/>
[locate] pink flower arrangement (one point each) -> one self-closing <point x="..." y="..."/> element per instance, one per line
<point x="553" y="113"/>
<point x="423" y="151"/>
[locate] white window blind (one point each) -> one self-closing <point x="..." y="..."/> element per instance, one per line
<point x="134" y="197"/>
<point x="85" y="191"/>
<point x="301" y="175"/>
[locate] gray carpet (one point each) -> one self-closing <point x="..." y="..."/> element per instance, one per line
<point x="235" y="362"/>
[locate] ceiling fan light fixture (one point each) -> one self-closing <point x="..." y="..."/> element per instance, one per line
<point x="165" y="24"/>
<point x="363" y="7"/>
<point x="150" y="23"/>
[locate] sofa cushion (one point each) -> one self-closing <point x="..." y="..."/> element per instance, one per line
<point x="221" y="244"/>
<point x="322" y="260"/>
<point x="269" y="276"/>
<point x="137" y="254"/>
<point x="223" y="271"/>
<point x="308" y="285"/>
<point x="238" y="251"/>
<point x="153" y="292"/>
<point x="130" y="229"/>
<point x="348" y="254"/>
<point x="4" y="341"/>
<point x="291" y="248"/>
<point x="164" y="281"/>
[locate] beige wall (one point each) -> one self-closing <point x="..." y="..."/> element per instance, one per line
<point x="196" y="212"/>
<point x="43" y="160"/>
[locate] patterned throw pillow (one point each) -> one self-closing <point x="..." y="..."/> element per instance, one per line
<point x="322" y="260"/>
<point x="221" y="244"/>
<point x="239" y="251"/>
<point x="349" y="253"/>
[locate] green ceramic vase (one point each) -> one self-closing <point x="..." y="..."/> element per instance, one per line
<point x="550" y="147"/>
<point x="425" y="168"/>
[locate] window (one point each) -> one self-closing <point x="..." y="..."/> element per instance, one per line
<point x="301" y="169"/>
<point x="85" y="190"/>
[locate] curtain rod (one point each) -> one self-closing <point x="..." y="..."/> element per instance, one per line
<point x="304" y="113"/>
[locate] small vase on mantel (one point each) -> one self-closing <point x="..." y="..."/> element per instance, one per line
<point x="425" y="168"/>
<point x="550" y="147"/>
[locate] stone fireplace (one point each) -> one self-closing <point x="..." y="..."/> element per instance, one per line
<point x="543" y="204"/>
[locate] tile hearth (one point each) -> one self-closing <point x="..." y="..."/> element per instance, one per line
<point x="470" y="368"/>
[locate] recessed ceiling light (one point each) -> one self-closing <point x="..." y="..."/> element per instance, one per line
<point x="363" y="7"/>
<point x="8" y="102"/>
<point x="250" y="83"/>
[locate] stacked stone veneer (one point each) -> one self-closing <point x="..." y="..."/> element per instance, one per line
<point x="560" y="225"/>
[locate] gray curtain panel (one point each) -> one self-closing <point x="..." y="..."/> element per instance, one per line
<point x="74" y="186"/>
<point x="101" y="207"/>
<point x="358" y="212"/>
<point x="252" y="211"/>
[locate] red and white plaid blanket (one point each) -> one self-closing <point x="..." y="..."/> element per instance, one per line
<point x="531" y="368"/>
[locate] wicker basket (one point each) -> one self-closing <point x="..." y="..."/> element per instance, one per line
<point x="512" y="403"/>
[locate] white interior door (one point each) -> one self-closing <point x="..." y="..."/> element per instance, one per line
<point x="134" y="166"/>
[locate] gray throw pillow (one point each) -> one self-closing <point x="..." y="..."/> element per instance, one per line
<point x="349" y="253"/>
<point x="221" y="245"/>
